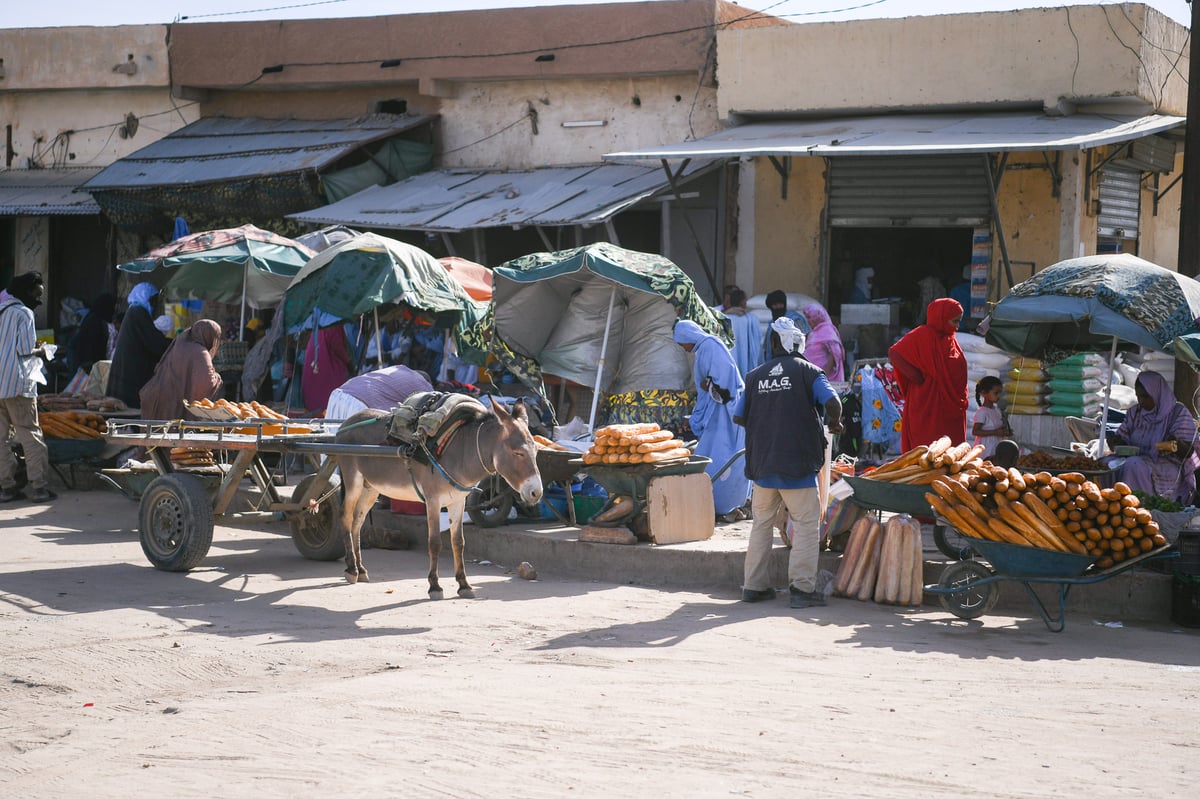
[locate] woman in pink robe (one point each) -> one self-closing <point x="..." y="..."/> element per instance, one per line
<point x="326" y="366"/>
<point x="824" y="345"/>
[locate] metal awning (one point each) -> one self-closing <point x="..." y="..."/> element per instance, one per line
<point x="46" y="192"/>
<point x="450" y="200"/>
<point x="913" y="134"/>
<point x="221" y="149"/>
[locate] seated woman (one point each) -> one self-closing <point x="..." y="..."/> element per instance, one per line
<point x="185" y="372"/>
<point x="1165" y="435"/>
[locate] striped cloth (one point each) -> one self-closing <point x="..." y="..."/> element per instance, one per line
<point x="17" y="335"/>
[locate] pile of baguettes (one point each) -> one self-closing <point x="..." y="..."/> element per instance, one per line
<point x="635" y="443"/>
<point x="924" y="464"/>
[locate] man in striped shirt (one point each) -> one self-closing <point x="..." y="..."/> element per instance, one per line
<point x="19" y="356"/>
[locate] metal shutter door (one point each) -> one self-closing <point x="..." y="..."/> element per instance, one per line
<point x="914" y="191"/>
<point x="1120" y="201"/>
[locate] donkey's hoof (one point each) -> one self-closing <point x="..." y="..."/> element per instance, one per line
<point x="363" y="577"/>
<point x="351" y="577"/>
<point x="435" y="593"/>
<point x="467" y="593"/>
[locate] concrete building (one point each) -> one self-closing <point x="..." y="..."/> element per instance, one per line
<point x="73" y="100"/>
<point x="523" y="90"/>
<point x="919" y="146"/>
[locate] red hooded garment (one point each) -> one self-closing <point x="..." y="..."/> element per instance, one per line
<point x="932" y="372"/>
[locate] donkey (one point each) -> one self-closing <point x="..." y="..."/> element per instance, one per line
<point x="499" y="443"/>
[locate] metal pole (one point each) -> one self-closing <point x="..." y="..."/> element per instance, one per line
<point x="612" y="298"/>
<point x="1102" y="447"/>
<point x="378" y="339"/>
<point x="242" y="328"/>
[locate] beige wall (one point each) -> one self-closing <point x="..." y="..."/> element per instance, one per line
<point x="786" y="232"/>
<point x="59" y="84"/>
<point x="477" y="127"/>
<point x="1159" y="240"/>
<point x="1011" y="57"/>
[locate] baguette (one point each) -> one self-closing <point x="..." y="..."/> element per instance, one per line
<point x="935" y="451"/>
<point x="963" y="521"/>
<point x="870" y="541"/>
<point x="1032" y="529"/>
<point x="869" y="568"/>
<point x="916" y="593"/>
<point x="659" y="446"/>
<point x="909" y="458"/>
<point x="1006" y="533"/>
<point x="1053" y="523"/>
<point x="854" y="549"/>
<point x="963" y="462"/>
<point x="952" y="454"/>
<point x="622" y="430"/>
<point x="904" y="590"/>
<point x="666" y="455"/>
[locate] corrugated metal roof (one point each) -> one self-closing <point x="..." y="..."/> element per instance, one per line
<point x="46" y="192"/>
<point x="218" y="149"/>
<point x="913" y="134"/>
<point x="463" y="199"/>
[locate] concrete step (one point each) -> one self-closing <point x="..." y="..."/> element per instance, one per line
<point x="1139" y="594"/>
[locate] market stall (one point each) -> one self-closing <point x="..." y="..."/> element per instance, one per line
<point x="599" y="316"/>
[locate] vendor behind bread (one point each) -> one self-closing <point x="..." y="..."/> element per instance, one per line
<point x="185" y="372"/>
<point x="1165" y="435"/>
<point x="381" y="389"/>
<point x="139" y="346"/>
<point x="932" y="373"/>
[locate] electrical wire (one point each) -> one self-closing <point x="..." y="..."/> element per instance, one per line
<point x="263" y="10"/>
<point x="524" y="117"/>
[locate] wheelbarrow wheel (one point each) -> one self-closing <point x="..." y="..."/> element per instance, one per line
<point x="952" y="543"/>
<point x="966" y="597"/>
<point x="316" y="535"/>
<point x="490" y="503"/>
<point x="175" y="520"/>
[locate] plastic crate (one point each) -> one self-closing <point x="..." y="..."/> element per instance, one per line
<point x="1185" y="600"/>
<point x="1188" y="545"/>
<point x="586" y="507"/>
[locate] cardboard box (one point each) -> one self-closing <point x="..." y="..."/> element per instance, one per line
<point x="679" y="507"/>
<point x="874" y="313"/>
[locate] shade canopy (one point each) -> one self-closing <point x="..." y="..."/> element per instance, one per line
<point x="364" y="272"/>
<point x="1083" y="303"/>
<point x="229" y="265"/>
<point x="561" y="310"/>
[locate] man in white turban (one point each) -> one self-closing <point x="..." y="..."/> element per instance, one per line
<point x="785" y="450"/>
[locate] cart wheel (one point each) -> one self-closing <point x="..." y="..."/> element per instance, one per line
<point x="316" y="535"/>
<point x="176" y="522"/>
<point x="490" y="503"/>
<point x="968" y="599"/>
<point x="951" y="543"/>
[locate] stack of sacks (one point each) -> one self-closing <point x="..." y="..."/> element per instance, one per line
<point x="1076" y="383"/>
<point x="982" y="360"/>
<point x="1026" y="387"/>
<point x="1152" y="361"/>
<point x="757" y="305"/>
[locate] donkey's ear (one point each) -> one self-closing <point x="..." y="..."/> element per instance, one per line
<point x="498" y="409"/>
<point x="520" y="411"/>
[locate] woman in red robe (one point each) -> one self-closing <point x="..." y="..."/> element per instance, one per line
<point x="932" y="372"/>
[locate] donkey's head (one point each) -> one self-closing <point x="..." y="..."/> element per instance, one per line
<point x="514" y="455"/>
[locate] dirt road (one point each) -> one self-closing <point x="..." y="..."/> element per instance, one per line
<point x="262" y="674"/>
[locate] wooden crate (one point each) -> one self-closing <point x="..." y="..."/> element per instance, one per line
<point x="680" y="508"/>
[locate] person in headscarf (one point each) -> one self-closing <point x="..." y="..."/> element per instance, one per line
<point x="1165" y="434"/>
<point x="785" y="453"/>
<point x="91" y="341"/>
<point x="140" y="345"/>
<point x="327" y="365"/>
<point x="776" y="302"/>
<point x="861" y="292"/>
<point x="746" y="332"/>
<point x="931" y="371"/>
<point x="718" y="386"/>
<point x="185" y="372"/>
<point x="824" y="345"/>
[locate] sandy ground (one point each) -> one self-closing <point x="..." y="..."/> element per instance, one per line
<point x="262" y="674"/>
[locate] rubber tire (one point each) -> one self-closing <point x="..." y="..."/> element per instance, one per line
<point x="973" y="600"/>
<point x="316" y="537"/>
<point x="175" y="521"/>
<point x="491" y="502"/>
<point x="945" y="538"/>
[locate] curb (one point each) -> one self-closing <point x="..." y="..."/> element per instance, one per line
<point x="716" y="565"/>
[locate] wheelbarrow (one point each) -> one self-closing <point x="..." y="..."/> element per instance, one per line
<point x="878" y="495"/>
<point x="490" y="504"/>
<point x="627" y="485"/>
<point x="970" y="588"/>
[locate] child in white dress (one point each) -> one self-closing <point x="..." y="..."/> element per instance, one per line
<point x="989" y="427"/>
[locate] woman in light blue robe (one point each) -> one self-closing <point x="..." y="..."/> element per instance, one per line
<point x="718" y="385"/>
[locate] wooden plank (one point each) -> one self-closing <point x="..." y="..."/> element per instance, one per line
<point x="679" y="508"/>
